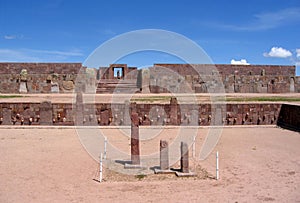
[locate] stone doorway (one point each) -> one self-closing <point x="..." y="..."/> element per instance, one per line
<point x="118" y="72"/>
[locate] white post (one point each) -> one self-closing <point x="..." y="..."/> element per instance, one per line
<point x="100" y="178"/>
<point x="217" y="165"/>
<point x="105" y="145"/>
<point x="194" y="146"/>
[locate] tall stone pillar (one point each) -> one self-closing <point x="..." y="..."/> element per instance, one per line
<point x="164" y="155"/>
<point x="174" y="112"/>
<point x="145" y="81"/>
<point x="126" y="113"/>
<point x="79" y="109"/>
<point x="135" y="145"/>
<point x="184" y="160"/>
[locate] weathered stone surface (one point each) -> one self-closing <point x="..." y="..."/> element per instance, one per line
<point x="104" y="117"/>
<point x="126" y="114"/>
<point x="23" y="87"/>
<point x="289" y="117"/>
<point x="175" y="119"/>
<point x="145" y="81"/>
<point x="35" y="77"/>
<point x="184" y="160"/>
<point x="79" y="114"/>
<point x="200" y="77"/>
<point x="46" y="113"/>
<point x="6" y="112"/>
<point x="54" y="87"/>
<point x="267" y="112"/>
<point x="134" y="119"/>
<point x="135" y="141"/>
<point x="164" y="155"/>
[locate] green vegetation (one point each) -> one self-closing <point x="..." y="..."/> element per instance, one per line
<point x="9" y="96"/>
<point x="140" y="176"/>
<point x="264" y="99"/>
<point x="228" y="99"/>
<point x="151" y="99"/>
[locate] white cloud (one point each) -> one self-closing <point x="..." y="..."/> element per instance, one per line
<point x="12" y="37"/>
<point x="278" y="52"/>
<point x="298" y="52"/>
<point x="9" y="37"/>
<point x="33" y="55"/>
<point x="54" y="52"/>
<point x="9" y="55"/>
<point x="240" y="62"/>
<point x="265" y="20"/>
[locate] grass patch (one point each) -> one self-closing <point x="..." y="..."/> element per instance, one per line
<point x="9" y="96"/>
<point x="141" y="176"/>
<point x="151" y="99"/>
<point x="264" y="99"/>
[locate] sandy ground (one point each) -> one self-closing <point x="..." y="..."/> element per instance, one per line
<point x="257" y="164"/>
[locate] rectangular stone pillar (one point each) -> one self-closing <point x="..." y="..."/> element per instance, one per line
<point x="79" y="111"/>
<point x="6" y="116"/>
<point x="145" y="81"/>
<point x="46" y="113"/>
<point x="104" y="117"/>
<point x="174" y="110"/>
<point x="135" y="145"/>
<point x="184" y="160"/>
<point x="126" y="113"/>
<point x="164" y="155"/>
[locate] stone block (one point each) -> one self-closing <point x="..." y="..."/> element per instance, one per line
<point x="46" y="113"/>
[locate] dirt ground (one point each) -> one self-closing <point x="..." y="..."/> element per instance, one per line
<point x="257" y="164"/>
<point x="139" y="98"/>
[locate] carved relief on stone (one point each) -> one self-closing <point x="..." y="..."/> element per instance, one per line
<point x="68" y="85"/>
<point x="49" y="79"/>
<point x="23" y="75"/>
<point x="23" y="81"/>
<point x="55" y="77"/>
<point x="54" y="87"/>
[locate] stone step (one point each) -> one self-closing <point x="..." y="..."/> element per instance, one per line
<point x="119" y="90"/>
<point x="108" y="81"/>
<point x="116" y="86"/>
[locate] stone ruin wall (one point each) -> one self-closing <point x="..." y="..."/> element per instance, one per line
<point x="236" y="78"/>
<point x="40" y="77"/>
<point x="289" y="117"/>
<point x="48" y="113"/>
<point x="161" y="78"/>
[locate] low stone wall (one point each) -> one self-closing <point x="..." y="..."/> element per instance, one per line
<point x="289" y="117"/>
<point x="103" y="114"/>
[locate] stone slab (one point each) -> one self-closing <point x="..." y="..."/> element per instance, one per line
<point x="134" y="166"/>
<point x="159" y="171"/>
<point x="189" y="174"/>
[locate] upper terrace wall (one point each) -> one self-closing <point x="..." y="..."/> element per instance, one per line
<point x="58" y="77"/>
<point x="199" y="78"/>
<point x="228" y="69"/>
<point x="40" y="68"/>
<point x="38" y="77"/>
<point x="202" y="78"/>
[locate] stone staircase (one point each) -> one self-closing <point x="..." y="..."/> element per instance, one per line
<point x="110" y="86"/>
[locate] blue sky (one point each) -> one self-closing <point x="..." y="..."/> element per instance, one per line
<point x="255" y="32"/>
